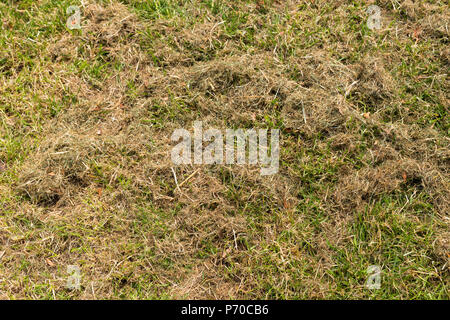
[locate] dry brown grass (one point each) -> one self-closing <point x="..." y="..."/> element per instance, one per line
<point x="95" y="186"/>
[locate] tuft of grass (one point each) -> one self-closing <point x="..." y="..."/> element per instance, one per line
<point x="86" y="178"/>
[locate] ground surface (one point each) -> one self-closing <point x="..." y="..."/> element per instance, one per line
<point x="85" y="171"/>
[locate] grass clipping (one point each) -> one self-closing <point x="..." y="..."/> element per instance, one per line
<point x="59" y="169"/>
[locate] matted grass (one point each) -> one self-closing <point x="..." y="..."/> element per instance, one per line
<point x="86" y="176"/>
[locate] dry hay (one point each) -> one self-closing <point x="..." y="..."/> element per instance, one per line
<point x="106" y="159"/>
<point x="59" y="169"/>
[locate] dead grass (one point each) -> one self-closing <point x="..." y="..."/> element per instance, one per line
<point x="85" y="172"/>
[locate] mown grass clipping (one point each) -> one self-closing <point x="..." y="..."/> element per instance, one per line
<point x="86" y="177"/>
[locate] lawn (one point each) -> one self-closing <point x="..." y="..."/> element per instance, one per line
<point x="87" y="179"/>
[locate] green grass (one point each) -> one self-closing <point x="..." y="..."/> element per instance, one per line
<point x="85" y="123"/>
